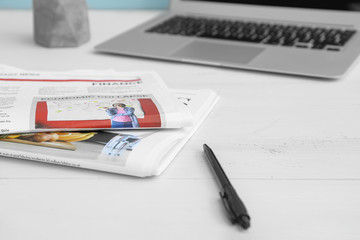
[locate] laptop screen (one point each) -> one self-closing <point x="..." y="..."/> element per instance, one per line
<point x="350" y="5"/>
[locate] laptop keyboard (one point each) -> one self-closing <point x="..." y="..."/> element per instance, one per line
<point x="332" y="39"/>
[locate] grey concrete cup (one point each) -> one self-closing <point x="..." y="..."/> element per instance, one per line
<point x="60" y="23"/>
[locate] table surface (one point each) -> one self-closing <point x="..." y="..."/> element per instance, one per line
<point x="289" y="144"/>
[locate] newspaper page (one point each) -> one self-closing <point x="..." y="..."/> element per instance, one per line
<point x="32" y="101"/>
<point x="140" y="152"/>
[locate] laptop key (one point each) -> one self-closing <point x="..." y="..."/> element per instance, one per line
<point x="318" y="46"/>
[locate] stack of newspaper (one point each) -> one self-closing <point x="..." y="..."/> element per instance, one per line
<point x="121" y="122"/>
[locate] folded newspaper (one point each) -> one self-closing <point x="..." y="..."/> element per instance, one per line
<point x="66" y="119"/>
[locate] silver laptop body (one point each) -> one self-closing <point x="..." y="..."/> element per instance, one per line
<point x="244" y="55"/>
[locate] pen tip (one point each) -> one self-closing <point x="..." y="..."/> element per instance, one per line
<point x="244" y="221"/>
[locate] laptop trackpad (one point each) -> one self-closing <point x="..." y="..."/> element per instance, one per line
<point x="217" y="52"/>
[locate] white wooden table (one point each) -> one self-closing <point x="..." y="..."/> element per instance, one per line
<point x="290" y="145"/>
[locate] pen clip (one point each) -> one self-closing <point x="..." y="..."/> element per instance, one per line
<point x="224" y="199"/>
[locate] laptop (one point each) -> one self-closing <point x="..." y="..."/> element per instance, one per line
<point x="301" y="37"/>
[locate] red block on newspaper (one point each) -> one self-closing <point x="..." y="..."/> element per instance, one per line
<point x="47" y="115"/>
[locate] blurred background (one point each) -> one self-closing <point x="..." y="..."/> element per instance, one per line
<point x="97" y="4"/>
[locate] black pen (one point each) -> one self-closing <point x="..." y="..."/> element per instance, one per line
<point x="233" y="204"/>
